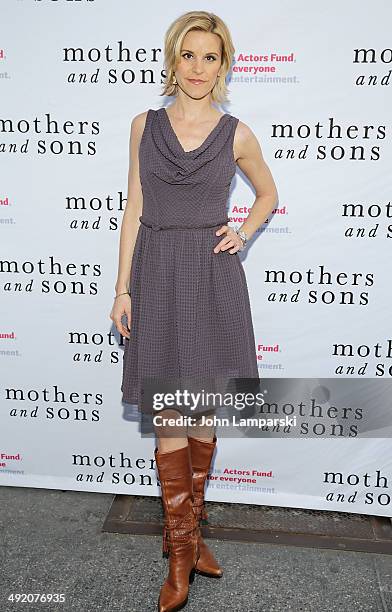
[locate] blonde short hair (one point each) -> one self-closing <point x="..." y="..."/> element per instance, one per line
<point x="206" y="22"/>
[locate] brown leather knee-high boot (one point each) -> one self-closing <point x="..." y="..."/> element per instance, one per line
<point x="201" y="455"/>
<point x="180" y="528"/>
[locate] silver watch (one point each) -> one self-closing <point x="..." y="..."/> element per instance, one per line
<point x="242" y="235"/>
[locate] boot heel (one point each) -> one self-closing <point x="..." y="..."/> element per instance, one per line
<point x="192" y="576"/>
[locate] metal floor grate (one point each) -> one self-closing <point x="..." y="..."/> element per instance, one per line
<point x="137" y="514"/>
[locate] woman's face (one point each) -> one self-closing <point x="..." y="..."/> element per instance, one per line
<point x="200" y="61"/>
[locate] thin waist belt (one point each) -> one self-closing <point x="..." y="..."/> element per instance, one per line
<point x="157" y="227"/>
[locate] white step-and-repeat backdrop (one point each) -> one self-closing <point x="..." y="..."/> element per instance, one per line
<point x="314" y="84"/>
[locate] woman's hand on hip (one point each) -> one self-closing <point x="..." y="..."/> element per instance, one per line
<point x="231" y="240"/>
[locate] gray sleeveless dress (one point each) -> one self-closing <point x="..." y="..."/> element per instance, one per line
<point x="190" y="313"/>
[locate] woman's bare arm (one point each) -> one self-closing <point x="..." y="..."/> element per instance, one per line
<point x="129" y="229"/>
<point x="133" y="210"/>
<point x="250" y="159"/>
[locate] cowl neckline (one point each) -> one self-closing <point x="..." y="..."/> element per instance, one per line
<point x="176" y="139"/>
<point x="184" y="164"/>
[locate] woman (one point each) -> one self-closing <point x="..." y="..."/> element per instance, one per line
<point x="181" y="285"/>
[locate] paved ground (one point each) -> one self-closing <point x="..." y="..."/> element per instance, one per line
<point x="51" y="542"/>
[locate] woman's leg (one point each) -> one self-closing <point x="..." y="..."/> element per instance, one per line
<point x="173" y="461"/>
<point x="170" y="437"/>
<point x="199" y="431"/>
<point x="202" y="442"/>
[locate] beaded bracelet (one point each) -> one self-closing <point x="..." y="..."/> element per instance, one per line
<point x="243" y="237"/>
<point x="125" y="293"/>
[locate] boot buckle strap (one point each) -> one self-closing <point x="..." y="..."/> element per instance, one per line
<point x="170" y="527"/>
